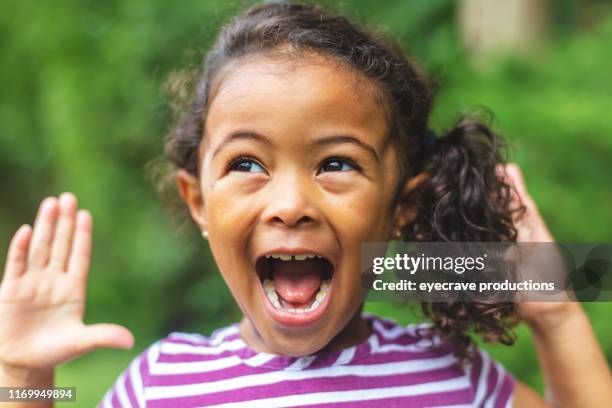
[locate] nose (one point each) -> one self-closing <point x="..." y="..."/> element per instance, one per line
<point x="290" y="204"/>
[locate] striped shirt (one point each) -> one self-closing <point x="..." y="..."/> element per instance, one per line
<point x="394" y="367"/>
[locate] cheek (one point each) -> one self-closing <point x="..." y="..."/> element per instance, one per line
<point x="229" y="208"/>
<point x="229" y="216"/>
<point x="361" y="213"/>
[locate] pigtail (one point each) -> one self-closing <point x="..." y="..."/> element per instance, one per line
<point x="462" y="199"/>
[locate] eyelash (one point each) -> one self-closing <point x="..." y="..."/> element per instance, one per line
<point x="340" y="159"/>
<point x="241" y="158"/>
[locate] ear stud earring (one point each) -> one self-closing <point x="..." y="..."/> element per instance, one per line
<point x="397" y="233"/>
<point x="205" y="234"/>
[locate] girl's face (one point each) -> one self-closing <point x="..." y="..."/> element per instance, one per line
<point x="296" y="172"/>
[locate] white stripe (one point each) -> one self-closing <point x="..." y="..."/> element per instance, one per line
<point x="190" y="367"/>
<point x="457" y="406"/>
<point x="136" y="379"/>
<point x="416" y="347"/>
<point x="510" y="402"/>
<point x="259" y="359"/>
<point x="389" y="334"/>
<point x="373" y="370"/>
<point x="481" y="387"/>
<point x="489" y="403"/>
<point x="215" y="339"/>
<point x="346" y="356"/>
<point x="301" y="363"/>
<point x="221" y="334"/>
<point x="106" y="402"/>
<point x="351" y="395"/>
<point x="121" y="392"/>
<point x="194" y="337"/>
<point x="179" y="348"/>
<point x="373" y="341"/>
<point x="413" y="329"/>
<point x="152" y="356"/>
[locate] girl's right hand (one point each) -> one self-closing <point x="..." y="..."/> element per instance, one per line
<point x="43" y="291"/>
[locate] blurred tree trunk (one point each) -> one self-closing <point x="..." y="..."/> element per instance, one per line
<point x="495" y="26"/>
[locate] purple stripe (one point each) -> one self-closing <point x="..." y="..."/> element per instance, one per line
<point x="324" y="360"/>
<point x="475" y="376"/>
<point x="426" y="400"/>
<point x="115" y="401"/>
<point x="491" y="381"/>
<point x="193" y="378"/>
<point x="129" y="390"/>
<point x="505" y="393"/>
<point x="312" y="385"/>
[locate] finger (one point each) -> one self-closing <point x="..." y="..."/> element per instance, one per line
<point x="42" y="235"/>
<point x="64" y="231"/>
<point x="531" y="225"/>
<point x="16" y="259"/>
<point x="518" y="183"/>
<point x="105" y="335"/>
<point x="80" y="254"/>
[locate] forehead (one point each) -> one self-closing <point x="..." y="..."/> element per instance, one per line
<point x="310" y="94"/>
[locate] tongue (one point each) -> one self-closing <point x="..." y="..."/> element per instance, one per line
<point x="296" y="282"/>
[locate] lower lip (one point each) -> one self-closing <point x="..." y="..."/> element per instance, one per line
<point x="294" y="319"/>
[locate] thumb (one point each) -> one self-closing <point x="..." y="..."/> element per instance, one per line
<point x="104" y="335"/>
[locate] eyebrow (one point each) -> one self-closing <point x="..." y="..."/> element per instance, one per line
<point x="328" y="140"/>
<point x="241" y="135"/>
<point x="339" y="139"/>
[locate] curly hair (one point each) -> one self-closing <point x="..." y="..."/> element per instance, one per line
<point x="461" y="199"/>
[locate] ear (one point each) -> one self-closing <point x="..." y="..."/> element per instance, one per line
<point x="406" y="210"/>
<point x="191" y="193"/>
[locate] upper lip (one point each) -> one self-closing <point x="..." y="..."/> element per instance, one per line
<point x="297" y="251"/>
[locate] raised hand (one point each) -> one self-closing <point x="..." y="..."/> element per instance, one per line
<point x="43" y="292"/>
<point x="531" y="228"/>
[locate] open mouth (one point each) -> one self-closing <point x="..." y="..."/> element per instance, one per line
<point x="296" y="286"/>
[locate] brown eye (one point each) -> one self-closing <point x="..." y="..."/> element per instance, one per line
<point x="245" y="164"/>
<point x="337" y="164"/>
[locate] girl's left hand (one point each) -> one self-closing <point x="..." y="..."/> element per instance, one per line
<point x="531" y="228"/>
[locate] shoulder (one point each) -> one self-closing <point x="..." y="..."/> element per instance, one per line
<point x="169" y="356"/>
<point x="419" y="336"/>
<point x="486" y="380"/>
<point x="493" y="385"/>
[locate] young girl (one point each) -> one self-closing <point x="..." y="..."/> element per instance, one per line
<point x="305" y="137"/>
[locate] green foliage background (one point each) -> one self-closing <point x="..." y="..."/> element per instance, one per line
<point x="82" y="110"/>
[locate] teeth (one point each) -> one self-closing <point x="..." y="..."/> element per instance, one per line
<point x="287" y="257"/>
<point x="268" y="286"/>
<point x="272" y="295"/>
<point x="324" y="286"/>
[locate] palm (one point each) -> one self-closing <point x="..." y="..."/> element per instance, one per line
<point x="43" y="291"/>
<point x="530" y="228"/>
